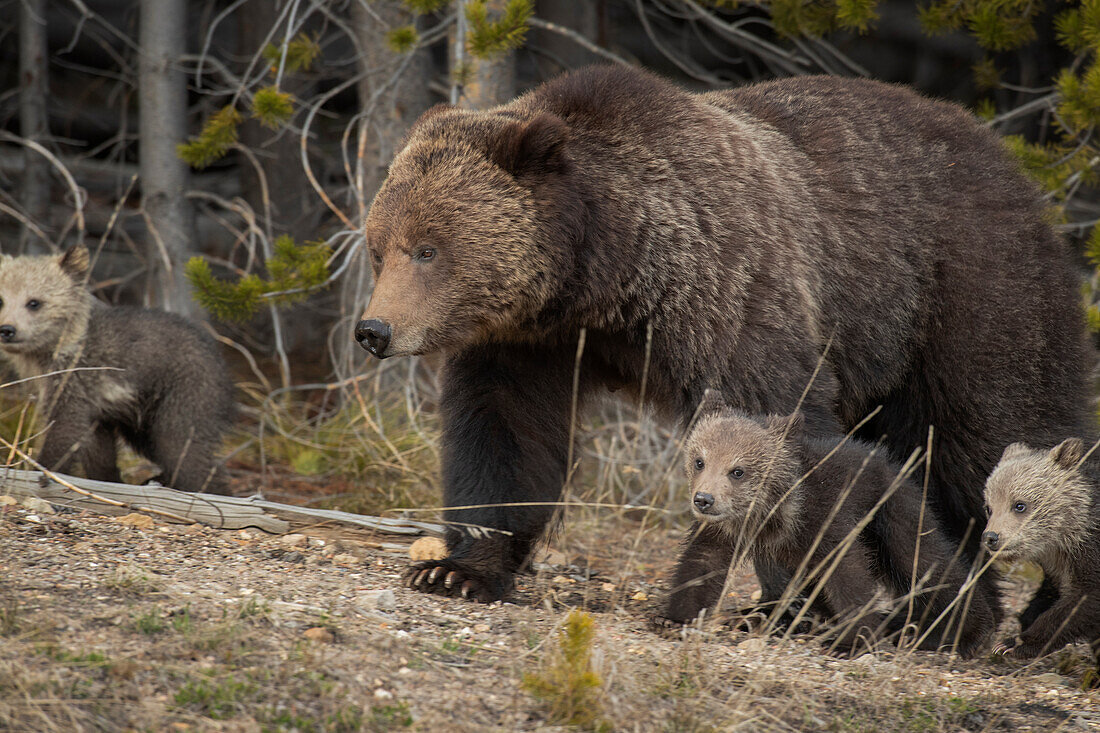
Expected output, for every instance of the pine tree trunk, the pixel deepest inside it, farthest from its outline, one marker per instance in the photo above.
(33, 121)
(162, 124)
(489, 82)
(393, 96)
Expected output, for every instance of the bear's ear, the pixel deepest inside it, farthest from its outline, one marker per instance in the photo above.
(788, 427)
(1015, 450)
(534, 146)
(713, 403)
(1068, 453)
(75, 262)
(796, 422)
(435, 109)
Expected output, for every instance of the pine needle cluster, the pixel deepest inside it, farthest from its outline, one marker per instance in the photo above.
(818, 17)
(271, 107)
(402, 39)
(301, 52)
(294, 271)
(217, 136)
(487, 38)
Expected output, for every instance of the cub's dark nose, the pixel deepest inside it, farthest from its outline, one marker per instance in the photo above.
(703, 501)
(991, 540)
(7, 333)
(374, 336)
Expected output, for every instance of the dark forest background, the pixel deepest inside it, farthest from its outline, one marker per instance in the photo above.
(253, 134)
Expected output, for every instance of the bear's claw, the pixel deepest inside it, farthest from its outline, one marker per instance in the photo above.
(443, 577)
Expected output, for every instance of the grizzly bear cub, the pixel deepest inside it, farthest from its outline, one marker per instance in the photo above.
(812, 506)
(103, 373)
(1044, 506)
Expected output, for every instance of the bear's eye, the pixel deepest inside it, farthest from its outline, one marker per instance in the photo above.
(737, 472)
(33, 304)
(1, 302)
(988, 510)
(699, 464)
(1019, 507)
(376, 258)
(425, 254)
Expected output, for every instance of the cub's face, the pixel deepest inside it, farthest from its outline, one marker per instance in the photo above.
(38, 297)
(741, 470)
(456, 233)
(1037, 501)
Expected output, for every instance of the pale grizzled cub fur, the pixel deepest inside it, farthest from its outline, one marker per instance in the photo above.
(766, 487)
(167, 392)
(1044, 506)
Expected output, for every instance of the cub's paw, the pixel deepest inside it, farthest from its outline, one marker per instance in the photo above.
(853, 643)
(1025, 650)
(747, 621)
(1004, 648)
(449, 578)
(667, 626)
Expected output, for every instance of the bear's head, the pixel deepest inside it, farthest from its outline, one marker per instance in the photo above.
(469, 234)
(1038, 502)
(742, 470)
(41, 297)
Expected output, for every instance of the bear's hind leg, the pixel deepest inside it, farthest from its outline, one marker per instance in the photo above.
(100, 456)
(184, 446)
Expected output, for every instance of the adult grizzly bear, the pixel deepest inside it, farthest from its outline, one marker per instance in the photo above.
(745, 231)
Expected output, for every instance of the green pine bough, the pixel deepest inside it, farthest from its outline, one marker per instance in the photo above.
(270, 106)
(294, 271)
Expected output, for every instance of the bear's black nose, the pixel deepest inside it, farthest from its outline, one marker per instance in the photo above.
(374, 336)
(703, 501)
(7, 333)
(991, 540)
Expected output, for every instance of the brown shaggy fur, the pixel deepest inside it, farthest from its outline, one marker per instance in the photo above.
(1044, 506)
(765, 489)
(167, 392)
(718, 240)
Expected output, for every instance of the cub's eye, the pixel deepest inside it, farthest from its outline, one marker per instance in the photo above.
(737, 473)
(33, 305)
(1, 302)
(376, 258)
(988, 510)
(699, 464)
(1019, 507)
(425, 254)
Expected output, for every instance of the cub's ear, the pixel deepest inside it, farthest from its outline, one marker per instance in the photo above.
(436, 109)
(75, 262)
(789, 427)
(1068, 453)
(796, 423)
(534, 146)
(1015, 450)
(713, 403)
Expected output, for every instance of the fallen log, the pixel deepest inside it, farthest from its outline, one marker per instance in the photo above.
(220, 512)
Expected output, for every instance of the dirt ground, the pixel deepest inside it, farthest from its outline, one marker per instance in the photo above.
(114, 627)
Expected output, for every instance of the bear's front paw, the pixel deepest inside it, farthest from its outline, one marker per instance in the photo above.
(449, 578)
(1005, 648)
